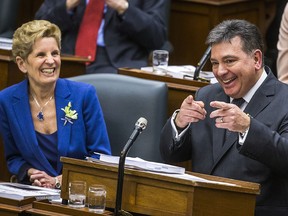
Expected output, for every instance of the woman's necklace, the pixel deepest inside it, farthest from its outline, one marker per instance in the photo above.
(40, 115)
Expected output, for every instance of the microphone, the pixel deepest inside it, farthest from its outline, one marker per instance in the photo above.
(202, 62)
(140, 125)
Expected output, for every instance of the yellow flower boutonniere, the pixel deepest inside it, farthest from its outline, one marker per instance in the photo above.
(69, 114)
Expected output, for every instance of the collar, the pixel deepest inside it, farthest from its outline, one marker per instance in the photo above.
(252, 91)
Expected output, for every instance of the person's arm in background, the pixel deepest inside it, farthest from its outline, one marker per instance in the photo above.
(144, 24)
(282, 46)
(60, 12)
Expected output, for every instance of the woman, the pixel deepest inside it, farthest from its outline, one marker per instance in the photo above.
(44, 117)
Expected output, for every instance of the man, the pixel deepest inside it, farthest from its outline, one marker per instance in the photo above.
(129, 31)
(247, 143)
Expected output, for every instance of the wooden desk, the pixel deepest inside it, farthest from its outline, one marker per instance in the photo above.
(154, 194)
(45, 208)
(10, 74)
(30, 207)
(191, 21)
(10, 207)
(178, 89)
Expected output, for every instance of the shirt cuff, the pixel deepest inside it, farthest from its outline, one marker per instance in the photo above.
(177, 136)
(242, 137)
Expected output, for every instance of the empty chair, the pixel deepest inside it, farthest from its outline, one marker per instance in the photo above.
(124, 100)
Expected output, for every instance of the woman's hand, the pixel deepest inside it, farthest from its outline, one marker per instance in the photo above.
(42, 179)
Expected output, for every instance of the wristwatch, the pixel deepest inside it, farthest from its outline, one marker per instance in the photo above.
(57, 183)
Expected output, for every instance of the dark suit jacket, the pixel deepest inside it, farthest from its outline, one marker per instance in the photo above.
(263, 158)
(128, 39)
(87, 133)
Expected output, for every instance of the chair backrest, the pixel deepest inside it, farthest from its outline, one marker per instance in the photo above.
(8, 16)
(124, 100)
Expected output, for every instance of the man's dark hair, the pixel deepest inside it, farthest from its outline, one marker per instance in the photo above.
(228, 29)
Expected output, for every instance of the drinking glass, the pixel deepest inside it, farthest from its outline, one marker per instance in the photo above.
(97, 198)
(160, 61)
(77, 194)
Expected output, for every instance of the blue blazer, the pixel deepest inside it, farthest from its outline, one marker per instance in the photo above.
(263, 158)
(87, 133)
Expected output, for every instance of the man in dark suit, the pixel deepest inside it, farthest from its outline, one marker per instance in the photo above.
(249, 142)
(131, 30)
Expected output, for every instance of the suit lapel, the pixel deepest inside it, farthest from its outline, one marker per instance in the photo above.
(62, 98)
(218, 134)
(262, 97)
(108, 15)
(23, 116)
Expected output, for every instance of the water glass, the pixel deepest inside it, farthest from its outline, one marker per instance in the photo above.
(160, 61)
(77, 194)
(97, 198)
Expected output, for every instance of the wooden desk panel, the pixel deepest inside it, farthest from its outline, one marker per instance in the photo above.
(10, 207)
(154, 194)
(191, 21)
(45, 208)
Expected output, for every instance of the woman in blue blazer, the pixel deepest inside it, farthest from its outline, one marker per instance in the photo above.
(44, 117)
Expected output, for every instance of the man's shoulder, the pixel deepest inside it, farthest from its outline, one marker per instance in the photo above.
(211, 89)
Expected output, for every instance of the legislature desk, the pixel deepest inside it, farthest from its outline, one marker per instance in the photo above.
(45, 208)
(178, 89)
(10, 207)
(31, 207)
(152, 193)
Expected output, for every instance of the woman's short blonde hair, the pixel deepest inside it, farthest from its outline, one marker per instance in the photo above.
(26, 35)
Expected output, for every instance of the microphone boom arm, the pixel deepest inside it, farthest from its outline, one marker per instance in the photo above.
(201, 63)
(140, 125)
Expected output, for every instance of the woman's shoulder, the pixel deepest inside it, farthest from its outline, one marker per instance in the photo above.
(14, 89)
(74, 85)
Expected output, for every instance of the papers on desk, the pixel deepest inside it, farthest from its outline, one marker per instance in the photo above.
(138, 163)
(185, 72)
(197, 179)
(5, 43)
(160, 168)
(20, 191)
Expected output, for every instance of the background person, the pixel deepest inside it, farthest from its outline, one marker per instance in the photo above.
(44, 117)
(129, 31)
(221, 138)
(282, 46)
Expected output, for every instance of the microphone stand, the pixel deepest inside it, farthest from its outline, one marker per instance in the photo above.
(140, 125)
(201, 63)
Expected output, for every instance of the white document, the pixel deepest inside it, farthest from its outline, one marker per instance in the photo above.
(21, 191)
(5, 43)
(197, 179)
(138, 163)
(185, 72)
(160, 168)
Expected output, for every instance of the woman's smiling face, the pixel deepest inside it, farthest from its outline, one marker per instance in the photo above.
(43, 64)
